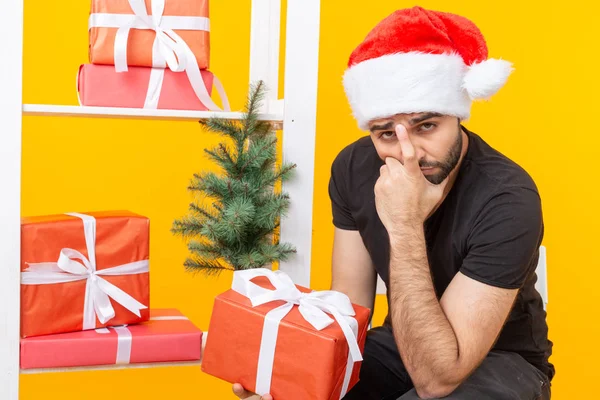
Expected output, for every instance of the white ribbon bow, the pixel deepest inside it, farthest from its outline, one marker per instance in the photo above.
(98, 290)
(169, 48)
(313, 307)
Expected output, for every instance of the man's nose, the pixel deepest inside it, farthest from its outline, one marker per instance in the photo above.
(416, 142)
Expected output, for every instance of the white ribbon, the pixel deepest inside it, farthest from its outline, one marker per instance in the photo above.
(73, 266)
(313, 307)
(168, 48)
(155, 87)
(125, 338)
(157, 76)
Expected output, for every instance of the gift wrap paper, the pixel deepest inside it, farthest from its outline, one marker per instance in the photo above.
(121, 237)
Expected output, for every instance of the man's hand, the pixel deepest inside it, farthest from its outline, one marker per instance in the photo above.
(403, 196)
(240, 392)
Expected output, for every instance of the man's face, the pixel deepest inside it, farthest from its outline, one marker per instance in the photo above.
(437, 140)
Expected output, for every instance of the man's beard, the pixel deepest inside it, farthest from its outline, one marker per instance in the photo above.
(448, 164)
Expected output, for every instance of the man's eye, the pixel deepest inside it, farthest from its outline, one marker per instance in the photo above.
(427, 126)
(387, 135)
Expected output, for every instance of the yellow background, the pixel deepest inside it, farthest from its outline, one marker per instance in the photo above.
(545, 119)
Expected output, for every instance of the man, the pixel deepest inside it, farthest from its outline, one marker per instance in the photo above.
(452, 226)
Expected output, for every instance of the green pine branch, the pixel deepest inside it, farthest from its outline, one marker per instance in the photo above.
(257, 152)
(188, 226)
(208, 268)
(227, 128)
(284, 174)
(205, 250)
(202, 211)
(253, 104)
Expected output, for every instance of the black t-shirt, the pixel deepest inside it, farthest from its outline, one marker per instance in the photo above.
(489, 228)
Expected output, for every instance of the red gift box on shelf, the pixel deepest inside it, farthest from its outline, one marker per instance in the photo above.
(101, 86)
(275, 337)
(83, 271)
(167, 337)
(148, 28)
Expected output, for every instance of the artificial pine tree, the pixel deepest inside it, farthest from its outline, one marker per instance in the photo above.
(240, 229)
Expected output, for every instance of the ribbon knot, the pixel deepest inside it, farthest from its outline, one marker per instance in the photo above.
(169, 47)
(74, 266)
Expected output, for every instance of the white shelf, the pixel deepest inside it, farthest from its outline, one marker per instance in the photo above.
(111, 367)
(137, 113)
(298, 114)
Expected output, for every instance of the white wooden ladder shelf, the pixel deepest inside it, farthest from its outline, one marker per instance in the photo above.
(296, 114)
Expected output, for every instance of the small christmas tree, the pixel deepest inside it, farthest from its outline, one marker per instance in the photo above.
(240, 229)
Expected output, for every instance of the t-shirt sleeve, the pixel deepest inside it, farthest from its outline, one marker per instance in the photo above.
(505, 239)
(338, 194)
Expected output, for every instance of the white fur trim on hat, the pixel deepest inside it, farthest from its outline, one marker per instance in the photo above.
(414, 82)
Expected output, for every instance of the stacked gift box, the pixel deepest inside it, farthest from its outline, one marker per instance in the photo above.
(85, 295)
(149, 54)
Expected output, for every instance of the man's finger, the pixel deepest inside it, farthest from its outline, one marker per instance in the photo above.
(240, 392)
(243, 394)
(392, 163)
(392, 166)
(411, 164)
(384, 170)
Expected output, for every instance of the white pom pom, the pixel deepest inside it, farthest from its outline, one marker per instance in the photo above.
(484, 79)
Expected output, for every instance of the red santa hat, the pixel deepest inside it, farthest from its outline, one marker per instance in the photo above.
(418, 60)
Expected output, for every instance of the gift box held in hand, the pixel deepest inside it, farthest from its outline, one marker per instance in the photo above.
(167, 337)
(274, 337)
(83, 271)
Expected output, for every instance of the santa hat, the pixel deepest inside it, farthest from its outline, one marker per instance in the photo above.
(418, 60)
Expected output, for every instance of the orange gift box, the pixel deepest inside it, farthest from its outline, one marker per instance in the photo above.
(83, 271)
(187, 18)
(308, 363)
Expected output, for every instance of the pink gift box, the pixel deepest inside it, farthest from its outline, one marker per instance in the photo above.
(102, 86)
(167, 337)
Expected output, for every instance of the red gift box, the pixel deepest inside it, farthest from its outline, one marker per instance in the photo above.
(140, 87)
(167, 337)
(83, 271)
(298, 361)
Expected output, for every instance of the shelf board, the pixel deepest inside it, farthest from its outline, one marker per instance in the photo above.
(111, 367)
(136, 113)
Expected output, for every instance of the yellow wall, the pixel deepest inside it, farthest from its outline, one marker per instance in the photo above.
(544, 119)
